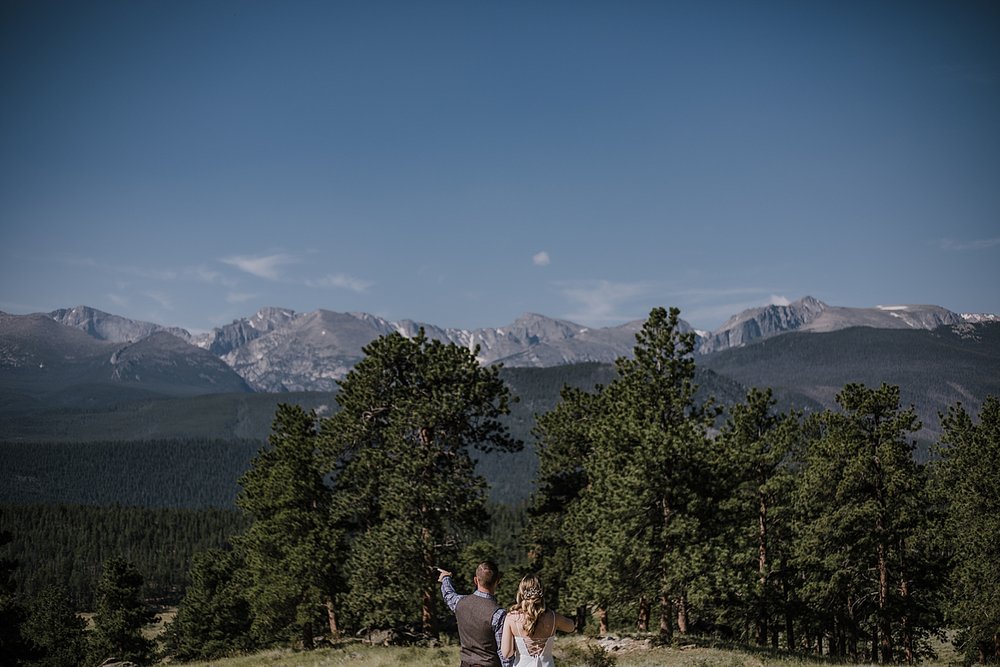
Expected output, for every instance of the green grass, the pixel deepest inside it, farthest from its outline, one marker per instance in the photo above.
(570, 651)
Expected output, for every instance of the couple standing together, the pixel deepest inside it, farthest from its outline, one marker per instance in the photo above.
(491, 635)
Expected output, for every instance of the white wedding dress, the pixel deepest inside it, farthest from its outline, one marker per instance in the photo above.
(536, 652)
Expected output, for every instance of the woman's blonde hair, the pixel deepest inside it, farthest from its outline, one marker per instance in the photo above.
(530, 602)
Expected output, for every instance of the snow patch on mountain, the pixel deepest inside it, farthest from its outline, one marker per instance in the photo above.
(976, 318)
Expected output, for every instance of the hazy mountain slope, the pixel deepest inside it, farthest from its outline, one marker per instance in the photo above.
(44, 362)
(934, 369)
(810, 314)
(833, 318)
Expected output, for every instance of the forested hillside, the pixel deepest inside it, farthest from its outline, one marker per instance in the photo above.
(152, 473)
(153, 468)
(933, 369)
(66, 545)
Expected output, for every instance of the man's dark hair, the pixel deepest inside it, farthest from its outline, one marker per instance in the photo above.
(488, 574)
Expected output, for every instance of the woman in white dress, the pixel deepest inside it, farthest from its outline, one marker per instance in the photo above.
(530, 629)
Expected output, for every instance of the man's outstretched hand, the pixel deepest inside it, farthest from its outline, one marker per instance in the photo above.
(442, 574)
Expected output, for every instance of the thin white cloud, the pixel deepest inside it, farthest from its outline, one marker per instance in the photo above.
(778, 300)
(341, 281)
(265, 266)
(978, 244)
(601, 301)
(541, 258)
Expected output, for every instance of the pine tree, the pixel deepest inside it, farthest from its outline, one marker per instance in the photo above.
(55, 629)
(758, 447)
(121, 615)
(292, 549)
(640, 522)
(213, 619)
(968, 484)
(411, 413)
(13, 648)
(563, 444)
(863, 492)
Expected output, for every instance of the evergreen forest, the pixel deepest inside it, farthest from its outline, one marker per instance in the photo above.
(659, 502)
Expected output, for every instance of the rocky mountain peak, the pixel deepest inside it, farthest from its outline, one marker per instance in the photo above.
(763, 322)
(114, 328)
(271, 318)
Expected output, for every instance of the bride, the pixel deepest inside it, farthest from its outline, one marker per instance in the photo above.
(531, 628)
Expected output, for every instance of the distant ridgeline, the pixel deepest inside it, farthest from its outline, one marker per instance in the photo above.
(180, 470)
(190, 451)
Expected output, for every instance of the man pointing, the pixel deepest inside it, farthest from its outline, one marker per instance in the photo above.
(480, 618)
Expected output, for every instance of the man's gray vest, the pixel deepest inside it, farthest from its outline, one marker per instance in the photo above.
(475, 630)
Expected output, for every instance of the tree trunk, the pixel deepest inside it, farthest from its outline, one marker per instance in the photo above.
(682, 615)
(789, 596)
(908, 643)
(602, 619)
(884, 622)
(581, 618)
(852, 631)
(666, 624)
(643, 621)
(762, 611)
(331, 617)
(427, 611)
(427, 620)
(307, 636)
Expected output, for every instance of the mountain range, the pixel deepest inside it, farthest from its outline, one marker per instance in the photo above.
(278, 349)
(79, 375)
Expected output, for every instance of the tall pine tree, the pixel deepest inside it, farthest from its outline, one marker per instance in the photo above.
(292, 549)
(13, 647)
(758, 447)
(968, 484)
(411, 414)
(54, 629)
(863, 492)
(121, 616)
(213, 619)
(563, 444)
(639, 524)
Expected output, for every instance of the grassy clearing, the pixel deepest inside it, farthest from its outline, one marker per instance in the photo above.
(572, 651)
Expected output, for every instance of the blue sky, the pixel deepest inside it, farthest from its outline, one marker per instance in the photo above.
(462, 163)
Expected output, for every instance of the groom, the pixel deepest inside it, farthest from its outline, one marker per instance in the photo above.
(480, 618)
